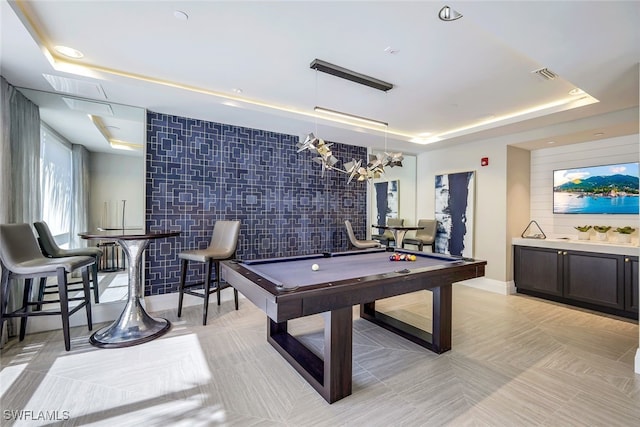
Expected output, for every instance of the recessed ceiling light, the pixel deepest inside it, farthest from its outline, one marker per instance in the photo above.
(448, 14)
(237, 90)
(576, 92)
(180, 15)
(69, 52)
(598, 134)
(391, 51)
(551, 142)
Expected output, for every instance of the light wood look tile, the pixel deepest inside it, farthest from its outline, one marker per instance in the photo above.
(515, 361)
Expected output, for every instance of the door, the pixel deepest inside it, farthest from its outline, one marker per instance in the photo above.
(594, 278)
(538, 269)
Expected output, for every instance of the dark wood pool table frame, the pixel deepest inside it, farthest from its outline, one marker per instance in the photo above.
(332, 377)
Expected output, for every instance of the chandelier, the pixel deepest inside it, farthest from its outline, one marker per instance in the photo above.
(356, 169)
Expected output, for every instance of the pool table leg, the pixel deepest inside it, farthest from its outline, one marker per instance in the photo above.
(439, 340)
(331, 377)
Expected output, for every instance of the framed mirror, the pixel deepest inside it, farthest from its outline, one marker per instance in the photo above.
(114, 136)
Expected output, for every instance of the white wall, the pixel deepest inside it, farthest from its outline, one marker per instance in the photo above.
(622, 149)
(115, 178)
(490, 231)
(518, 200)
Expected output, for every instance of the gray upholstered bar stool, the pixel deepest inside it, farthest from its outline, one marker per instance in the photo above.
(223, 246)
(20, 258)
(50, 249)
(359, 244)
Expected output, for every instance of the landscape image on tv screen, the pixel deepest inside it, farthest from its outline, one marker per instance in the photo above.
(608, 189)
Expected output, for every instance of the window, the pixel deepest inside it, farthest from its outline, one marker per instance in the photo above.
(55, 175)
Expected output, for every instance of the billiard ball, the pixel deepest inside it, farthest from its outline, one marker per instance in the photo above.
(315, 267)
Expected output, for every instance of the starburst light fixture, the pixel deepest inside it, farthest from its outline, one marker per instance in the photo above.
(354, 168)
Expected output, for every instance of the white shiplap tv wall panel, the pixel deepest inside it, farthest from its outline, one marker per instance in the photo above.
(624, 149)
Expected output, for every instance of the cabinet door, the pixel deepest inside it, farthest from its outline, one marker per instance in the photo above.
(595, 278)
(631, 283)
(538, 269)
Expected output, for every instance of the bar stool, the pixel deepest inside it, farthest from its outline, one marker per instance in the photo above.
(50, 249)
(20, 258)
(223, 246)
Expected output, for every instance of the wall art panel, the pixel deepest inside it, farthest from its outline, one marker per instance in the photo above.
(454, 211)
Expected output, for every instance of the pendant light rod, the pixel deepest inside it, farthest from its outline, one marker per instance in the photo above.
(343, 73)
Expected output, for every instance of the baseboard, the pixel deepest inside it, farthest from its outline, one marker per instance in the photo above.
(637, 363)
(107, 312)
(490, 285)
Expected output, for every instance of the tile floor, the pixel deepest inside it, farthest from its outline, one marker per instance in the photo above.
(516, 361)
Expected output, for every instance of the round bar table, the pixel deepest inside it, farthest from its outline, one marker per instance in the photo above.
(134, 326)
(398, 231)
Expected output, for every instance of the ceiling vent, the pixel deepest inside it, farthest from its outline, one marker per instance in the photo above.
(76, 87)
(91, 107)
(545, 73)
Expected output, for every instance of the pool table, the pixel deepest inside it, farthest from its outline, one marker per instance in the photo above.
(288, 288)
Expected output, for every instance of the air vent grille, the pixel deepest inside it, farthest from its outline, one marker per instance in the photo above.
(545, 73)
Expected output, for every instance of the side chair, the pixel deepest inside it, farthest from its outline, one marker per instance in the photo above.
(223, 246)
(50, 249)
(424, 236)
(359, 244)
(20, 258)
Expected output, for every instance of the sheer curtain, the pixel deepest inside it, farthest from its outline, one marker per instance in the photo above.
(24, 131)
(20, 162)
(79, 195)
(5, 152)
(5, 167)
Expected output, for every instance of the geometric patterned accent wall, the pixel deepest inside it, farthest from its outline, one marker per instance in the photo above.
(198, 172)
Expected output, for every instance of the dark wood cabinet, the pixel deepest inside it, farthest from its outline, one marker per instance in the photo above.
(631, 283)
(598, 281)
(594, 278)
(538, 270)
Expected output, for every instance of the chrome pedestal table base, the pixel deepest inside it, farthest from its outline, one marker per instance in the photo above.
(134, 325)
(398, 232)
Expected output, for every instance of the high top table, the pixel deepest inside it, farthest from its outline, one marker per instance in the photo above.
(134, 326)
(398, 231)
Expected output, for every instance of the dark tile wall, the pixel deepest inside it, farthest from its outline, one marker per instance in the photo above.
(198, 172)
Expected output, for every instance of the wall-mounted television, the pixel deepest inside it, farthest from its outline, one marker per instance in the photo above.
(607, 189)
